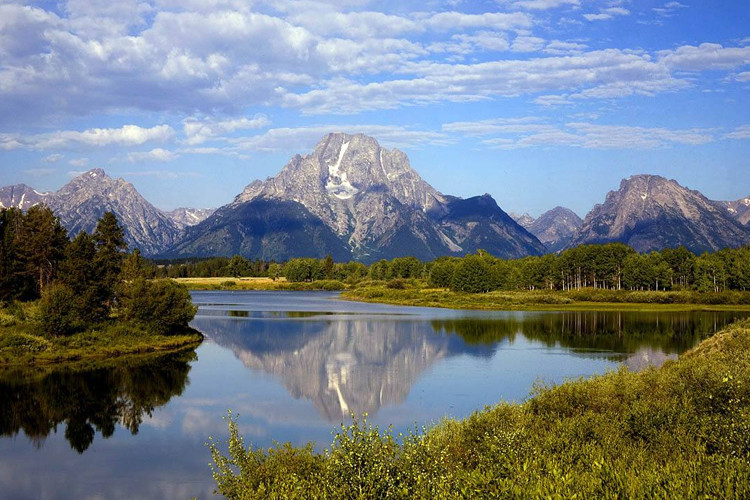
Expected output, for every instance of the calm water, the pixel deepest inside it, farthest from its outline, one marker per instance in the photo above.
(294, 365)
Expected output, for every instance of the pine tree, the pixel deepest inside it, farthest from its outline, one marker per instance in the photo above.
(41, 242)
(110, 245)
(81, 274)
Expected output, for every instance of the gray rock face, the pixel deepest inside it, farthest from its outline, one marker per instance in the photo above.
(739, 210)
(524, 220)
(369, 196)
(556, 228)
(374, 202)
(479, 224)
(186, 217)
(649, 212)
(84, 200)
(20, 196)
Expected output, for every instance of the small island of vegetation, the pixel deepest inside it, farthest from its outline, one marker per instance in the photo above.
(85, 299)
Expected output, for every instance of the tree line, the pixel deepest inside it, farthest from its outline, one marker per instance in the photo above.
(84, 281)
(612, 266)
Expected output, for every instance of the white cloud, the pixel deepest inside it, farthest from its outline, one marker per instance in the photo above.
(606, 14)
(545, 4)
(706, 56)
(739, 133)
(453, 21)
(128, 135)
(155, 155)
(527, 44)
(53, 158)
(199, 131)
(668, 9)
(743, 77)
(558, 48)
(436, 82)
(304, 138)
(528, 132)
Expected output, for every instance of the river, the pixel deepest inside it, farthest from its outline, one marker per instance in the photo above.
(294, 365)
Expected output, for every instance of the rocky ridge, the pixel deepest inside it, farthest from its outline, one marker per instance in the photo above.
(649, 212)
(371, 200)
(555, 228)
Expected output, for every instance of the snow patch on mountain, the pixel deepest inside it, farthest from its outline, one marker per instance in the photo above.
(338, 183)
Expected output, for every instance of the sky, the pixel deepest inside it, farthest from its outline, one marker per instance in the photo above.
(537, 102)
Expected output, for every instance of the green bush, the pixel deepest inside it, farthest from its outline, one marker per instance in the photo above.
(328, 285)
(681, 431)
(57, 309)
(161, 306)
(396, 284)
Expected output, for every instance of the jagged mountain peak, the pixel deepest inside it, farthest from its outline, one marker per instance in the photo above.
(83, 201)
(650, 212)
(371, 199)
(555, 228)
(524, 220)
(738, 209)
(20, 196)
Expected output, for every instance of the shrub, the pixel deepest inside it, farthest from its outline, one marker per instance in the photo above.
(161, 306)
(396, 284)
(58, 311)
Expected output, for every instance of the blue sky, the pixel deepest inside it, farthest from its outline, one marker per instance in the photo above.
(536, 102)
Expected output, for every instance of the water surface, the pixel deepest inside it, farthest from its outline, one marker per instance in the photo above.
(294, 365)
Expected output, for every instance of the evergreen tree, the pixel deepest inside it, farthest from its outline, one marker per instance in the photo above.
(41, 243)
(110, 245)
(135, 266)
(13, 279)
(81, 274)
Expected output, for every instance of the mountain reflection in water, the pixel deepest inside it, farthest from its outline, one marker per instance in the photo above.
(356, 364)
(87, 401)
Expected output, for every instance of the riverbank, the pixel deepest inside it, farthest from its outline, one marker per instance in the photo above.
(680, 431)
(544, 300)
(416, 293)
(22, 344)
(229, 284)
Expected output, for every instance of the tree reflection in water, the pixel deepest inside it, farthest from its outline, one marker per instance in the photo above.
(91, 400)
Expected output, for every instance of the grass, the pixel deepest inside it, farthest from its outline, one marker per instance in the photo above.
(680, 431)
(416, 294)
(22, 344)
(228, 283)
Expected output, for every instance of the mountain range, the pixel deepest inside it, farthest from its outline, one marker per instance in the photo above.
(353, 199)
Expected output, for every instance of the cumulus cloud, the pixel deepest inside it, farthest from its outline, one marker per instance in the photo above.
(706, 56)
(221, 57)
(128, 135)
(199, 131)
(155, 155)
(606, 14)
